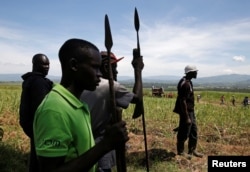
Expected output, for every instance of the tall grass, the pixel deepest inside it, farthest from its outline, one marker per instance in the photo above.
(15, 145)
(223, 130)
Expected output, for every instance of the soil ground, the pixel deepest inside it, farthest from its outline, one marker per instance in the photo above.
(162, 149)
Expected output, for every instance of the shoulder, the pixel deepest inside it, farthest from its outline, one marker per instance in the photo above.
(119, 87)
(184, 82)
(39, 79)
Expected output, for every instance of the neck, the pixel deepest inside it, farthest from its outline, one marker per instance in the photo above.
(66, 83)
(188, 77)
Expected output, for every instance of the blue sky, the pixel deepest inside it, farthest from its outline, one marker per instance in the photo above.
(214, 35)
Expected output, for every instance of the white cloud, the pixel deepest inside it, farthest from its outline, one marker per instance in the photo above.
(239, 58)
(166, 47)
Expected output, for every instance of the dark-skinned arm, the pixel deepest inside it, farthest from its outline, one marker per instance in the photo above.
(184, 110)
(138, 65)
(115, 136)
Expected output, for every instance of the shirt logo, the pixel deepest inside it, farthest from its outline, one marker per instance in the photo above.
(54, 143)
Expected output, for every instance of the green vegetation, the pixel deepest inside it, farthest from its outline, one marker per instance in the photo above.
(223, 130)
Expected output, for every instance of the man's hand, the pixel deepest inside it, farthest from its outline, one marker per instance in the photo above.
(137, 61)
(116, 135)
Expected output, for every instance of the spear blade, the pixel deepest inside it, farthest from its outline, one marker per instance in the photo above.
(137, 21)
(108, 36)
(137, 27)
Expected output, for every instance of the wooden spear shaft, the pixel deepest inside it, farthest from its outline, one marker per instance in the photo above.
(116, 115)
(139, 107)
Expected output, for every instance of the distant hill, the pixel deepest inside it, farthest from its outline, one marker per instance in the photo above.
(232, 80)
(222, 81)
(10, 77)
(156, 78)
(18, 78)
(212, 79)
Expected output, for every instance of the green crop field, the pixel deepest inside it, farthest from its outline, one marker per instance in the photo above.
(223, 130)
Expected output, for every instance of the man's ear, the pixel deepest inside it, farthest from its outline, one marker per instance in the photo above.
(73, 64)
(106, 67)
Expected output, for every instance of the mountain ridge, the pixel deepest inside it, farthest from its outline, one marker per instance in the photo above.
(231, 80)
(217, 78)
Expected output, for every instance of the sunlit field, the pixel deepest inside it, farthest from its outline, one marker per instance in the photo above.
(224, 129)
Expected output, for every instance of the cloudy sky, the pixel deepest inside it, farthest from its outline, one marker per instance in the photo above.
(214, 35)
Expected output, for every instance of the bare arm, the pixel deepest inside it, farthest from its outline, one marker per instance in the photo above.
(185, 111)
(138, 65)
(115, 136)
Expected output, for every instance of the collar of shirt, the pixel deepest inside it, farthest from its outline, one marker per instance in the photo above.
(67, 95)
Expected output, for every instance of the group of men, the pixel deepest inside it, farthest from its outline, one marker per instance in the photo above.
(69, 123)
(245, 101)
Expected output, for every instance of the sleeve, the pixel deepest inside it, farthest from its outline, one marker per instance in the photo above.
(25, 111)
(32, 95)
(123, 95)
(51, 138)
(184, 91)
(40, 88)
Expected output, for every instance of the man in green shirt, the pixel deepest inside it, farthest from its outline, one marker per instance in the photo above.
(62, 128)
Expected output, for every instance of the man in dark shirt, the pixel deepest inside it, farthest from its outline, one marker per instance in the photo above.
(34, 88)
(185, 108)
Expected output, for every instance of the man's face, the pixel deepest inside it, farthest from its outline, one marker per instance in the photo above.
(105, 70)
(194, 74)
(114, 71)
(42, 65)
(89, 72)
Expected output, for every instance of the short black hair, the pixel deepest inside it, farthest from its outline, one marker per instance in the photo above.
(73, 48)
(37, 58)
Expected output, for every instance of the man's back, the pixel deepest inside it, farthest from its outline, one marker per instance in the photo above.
(34, 88)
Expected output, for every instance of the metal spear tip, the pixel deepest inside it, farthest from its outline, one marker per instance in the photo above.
(136, 20)
(108, 36)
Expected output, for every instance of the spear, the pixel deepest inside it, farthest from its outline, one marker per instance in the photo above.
(139, 108)
(116, 114)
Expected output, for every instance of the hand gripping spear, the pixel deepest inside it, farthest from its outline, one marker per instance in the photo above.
(116, 114)
(139, 108)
